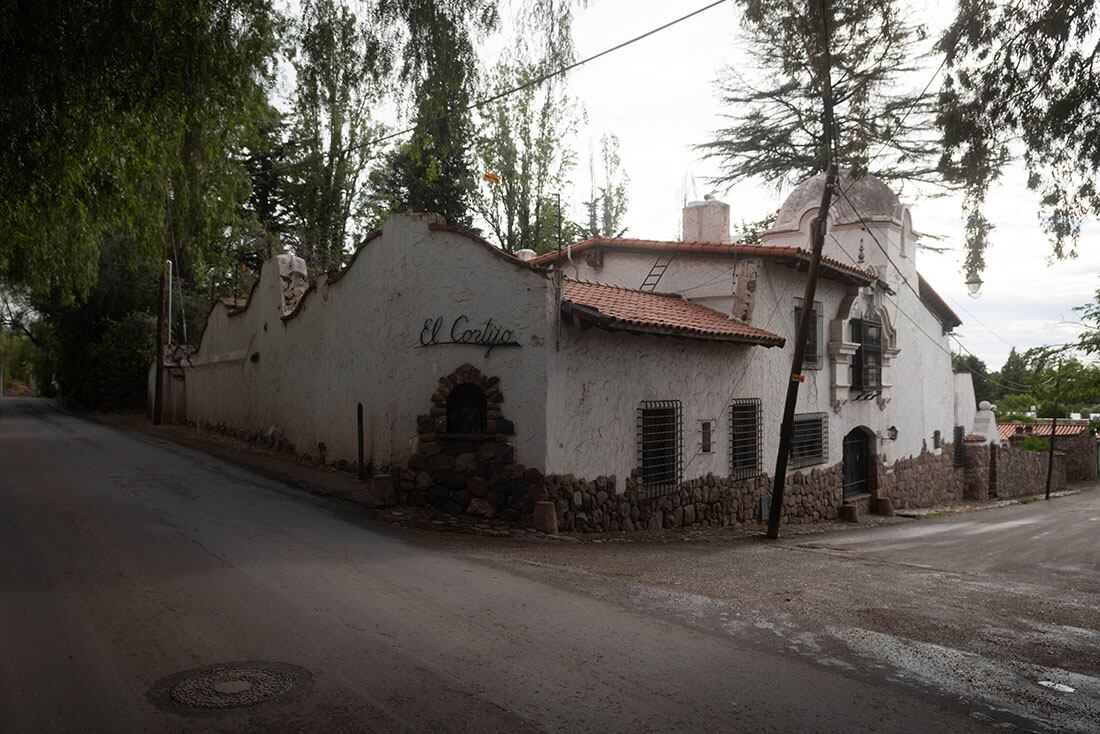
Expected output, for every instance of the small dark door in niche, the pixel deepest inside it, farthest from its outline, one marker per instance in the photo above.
(857, 463)
(466, 409)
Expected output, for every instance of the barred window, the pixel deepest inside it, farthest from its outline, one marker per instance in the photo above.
(745, 428)
(810, 440)
(660, 443)
(813, 359)
(960, 447)
(706, 437)
(867, 363)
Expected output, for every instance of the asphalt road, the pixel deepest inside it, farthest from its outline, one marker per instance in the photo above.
(126, 561)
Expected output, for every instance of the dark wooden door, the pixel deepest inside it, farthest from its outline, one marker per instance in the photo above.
(857, 463)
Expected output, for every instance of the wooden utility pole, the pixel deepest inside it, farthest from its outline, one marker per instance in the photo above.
(806, 316)
(158, 380)
(1053, 427)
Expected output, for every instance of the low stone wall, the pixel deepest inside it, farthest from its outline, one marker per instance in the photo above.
(926, 480)
(710, 501)
(1021, 473)
(1080, 456)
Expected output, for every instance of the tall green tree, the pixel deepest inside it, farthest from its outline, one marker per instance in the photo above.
(1023, 77)
(979, 374)
(340, 62)
(109, 106)
(609, 195)
(432, 171)
(523, 147)
(775, 132)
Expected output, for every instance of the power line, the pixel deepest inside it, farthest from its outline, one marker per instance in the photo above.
(518, 88)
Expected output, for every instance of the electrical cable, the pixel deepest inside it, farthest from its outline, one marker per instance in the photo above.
(518, 88)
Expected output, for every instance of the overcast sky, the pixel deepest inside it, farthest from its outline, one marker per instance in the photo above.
(659, 97)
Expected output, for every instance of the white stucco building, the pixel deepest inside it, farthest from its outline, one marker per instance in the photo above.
(632, 381)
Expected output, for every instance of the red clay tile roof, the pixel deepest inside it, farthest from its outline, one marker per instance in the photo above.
(935, 303)
(1012, 428)
(613, 307)
(795, 256)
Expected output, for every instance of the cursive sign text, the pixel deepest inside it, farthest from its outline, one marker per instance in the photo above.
(462, 332)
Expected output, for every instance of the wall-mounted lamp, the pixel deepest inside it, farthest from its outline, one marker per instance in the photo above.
(892, 433)
(974, 284)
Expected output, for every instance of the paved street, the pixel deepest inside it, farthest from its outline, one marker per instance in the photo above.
(125, 560)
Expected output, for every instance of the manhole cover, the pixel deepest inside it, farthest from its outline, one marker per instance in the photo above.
(228, 686)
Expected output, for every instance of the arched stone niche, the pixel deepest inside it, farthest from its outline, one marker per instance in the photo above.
(465, 460)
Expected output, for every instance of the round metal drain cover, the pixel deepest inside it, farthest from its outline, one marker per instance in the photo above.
(229, 686)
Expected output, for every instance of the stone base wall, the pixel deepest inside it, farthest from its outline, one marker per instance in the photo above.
(710, 501)
(1080, 456)
(925, 480)
(1020, 473)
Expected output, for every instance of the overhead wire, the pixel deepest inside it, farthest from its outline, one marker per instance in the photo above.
(508, 92)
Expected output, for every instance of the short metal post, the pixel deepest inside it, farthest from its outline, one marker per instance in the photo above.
(359, 420)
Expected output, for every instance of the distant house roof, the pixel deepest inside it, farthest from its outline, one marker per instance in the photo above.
(792, 256)
(626, 309)
(1019, 428)
(936, 304)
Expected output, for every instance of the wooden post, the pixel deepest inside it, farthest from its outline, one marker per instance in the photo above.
(1053, 428)
(359, 421)
(158, 380)
(806, 319)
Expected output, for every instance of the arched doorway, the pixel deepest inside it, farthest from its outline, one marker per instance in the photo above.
(859, 458)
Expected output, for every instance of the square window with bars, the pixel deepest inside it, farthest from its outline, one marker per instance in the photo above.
(810, 440)
(867, 362)
(813, 358)
(660, 444)
(745, 435)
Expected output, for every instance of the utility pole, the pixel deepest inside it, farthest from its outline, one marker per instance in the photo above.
(1053, 427)
(158, 380)
(806, 316)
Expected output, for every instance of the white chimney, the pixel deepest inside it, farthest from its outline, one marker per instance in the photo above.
(525, 255)
(707, 221)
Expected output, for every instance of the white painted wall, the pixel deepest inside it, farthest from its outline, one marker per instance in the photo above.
(357, 340)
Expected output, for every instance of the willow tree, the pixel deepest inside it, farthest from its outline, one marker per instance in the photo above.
(775, 130)
(340, 62)
(523, 147)
(108, 107)
(431, 169)
(1024, 79)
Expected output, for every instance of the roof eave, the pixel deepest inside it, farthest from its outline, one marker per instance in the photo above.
(611, 323)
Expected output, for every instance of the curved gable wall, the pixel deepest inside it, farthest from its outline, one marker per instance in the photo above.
(356, 339)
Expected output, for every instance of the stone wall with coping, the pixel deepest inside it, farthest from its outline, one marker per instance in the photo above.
(1020, 473)
(925, 480)
(1080, 456)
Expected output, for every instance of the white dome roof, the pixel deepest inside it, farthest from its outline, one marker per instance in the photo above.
(872, 198)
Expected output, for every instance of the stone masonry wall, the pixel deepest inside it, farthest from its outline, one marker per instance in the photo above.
(1080, 456)
(710, 501)
(925, 480)
(977, 478)
(1021, 473)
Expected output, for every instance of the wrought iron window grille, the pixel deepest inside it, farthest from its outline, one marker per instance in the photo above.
(809, 440)
(867, 362)
(660, 445)
(960, 447)
(745, 438)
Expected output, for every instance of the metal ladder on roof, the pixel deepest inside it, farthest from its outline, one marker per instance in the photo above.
(655, 273)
